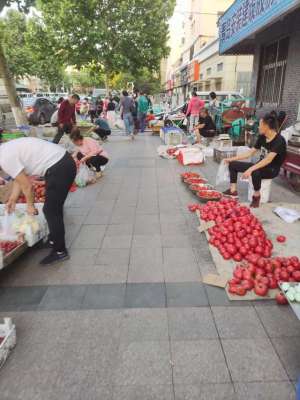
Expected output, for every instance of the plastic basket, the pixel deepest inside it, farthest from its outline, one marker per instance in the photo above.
(221, 154)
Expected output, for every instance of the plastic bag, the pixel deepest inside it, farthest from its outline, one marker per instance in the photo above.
(223, 173)
(83, 176)
(7, 229)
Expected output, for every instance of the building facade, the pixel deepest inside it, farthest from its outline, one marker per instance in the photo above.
(199, 64)
(270, 31)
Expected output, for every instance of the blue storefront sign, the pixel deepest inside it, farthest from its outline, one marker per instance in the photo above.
(246, 17)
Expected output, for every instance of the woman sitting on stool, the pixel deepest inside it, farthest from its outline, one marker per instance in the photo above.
(89, 151)
(272, 147)
(206, 126)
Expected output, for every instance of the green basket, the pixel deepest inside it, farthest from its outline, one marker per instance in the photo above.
(12, 135)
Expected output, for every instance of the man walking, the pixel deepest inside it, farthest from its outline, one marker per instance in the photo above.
(143, 106)
(66, 117)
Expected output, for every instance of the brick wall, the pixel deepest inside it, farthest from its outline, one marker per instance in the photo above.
(291, 94)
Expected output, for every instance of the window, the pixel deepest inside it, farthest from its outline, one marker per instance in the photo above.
(220, 67)
(201, 77)
(219, 84)
(208, 71)
(207, 86)
(192, 48)
(272, 72)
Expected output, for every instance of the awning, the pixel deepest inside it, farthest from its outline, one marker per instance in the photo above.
(245, 18)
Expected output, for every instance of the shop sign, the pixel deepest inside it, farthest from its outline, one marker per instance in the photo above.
(246, 17)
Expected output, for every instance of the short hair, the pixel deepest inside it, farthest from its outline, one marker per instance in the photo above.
(194, 93)
(60, 100)
(125, 93)
(75, 96)
(205, 110)
(212, 95)
(75, 134)
(271, 119)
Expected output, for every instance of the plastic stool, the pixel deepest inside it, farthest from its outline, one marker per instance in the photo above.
(264, 191)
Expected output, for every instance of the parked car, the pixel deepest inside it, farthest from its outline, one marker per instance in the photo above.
(39, 112)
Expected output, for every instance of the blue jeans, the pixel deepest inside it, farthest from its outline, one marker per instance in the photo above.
(128, 121)
(142, 119)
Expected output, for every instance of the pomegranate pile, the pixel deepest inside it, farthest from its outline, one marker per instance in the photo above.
(39, 192)
(239, 236)
(7, 246)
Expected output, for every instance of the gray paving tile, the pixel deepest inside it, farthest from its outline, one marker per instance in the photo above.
(21, 296)
(63, 297)
(174, 228)
(90, 237)
(97, 218)
(279, 321)
(145, 273)
(107, 296)
(200, 361)
(238, 323)
(100, 274)
(140, 325)
(113, 257)
(179, 256)
(117, 242)
(143, 363)
(176, 241)
(99, 326)
(218, 297)
(119, 230)
(145, 295)
(191, 324)
(216, 391)
(148, 228)
(146, 256)
(82, 257)
(251, 360)
(188, 294)
(148, 241)
(265, 391)
(188, 272)
(145, 392)
(288, 350)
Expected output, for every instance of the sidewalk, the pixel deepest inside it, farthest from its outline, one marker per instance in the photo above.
(127, 318)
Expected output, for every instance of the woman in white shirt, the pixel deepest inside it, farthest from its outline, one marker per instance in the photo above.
(21, 158)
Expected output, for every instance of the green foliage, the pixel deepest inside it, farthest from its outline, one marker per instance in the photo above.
(114, 36)
(28, 50)
(86, 78)
(143, 80)
(12, 31)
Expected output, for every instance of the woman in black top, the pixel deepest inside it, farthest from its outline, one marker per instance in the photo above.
(206, 126)
(272, 148)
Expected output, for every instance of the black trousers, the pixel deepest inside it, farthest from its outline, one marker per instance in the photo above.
(102, 133)
(59, 179)
(96, 161)
(60, 132)
(263, 173)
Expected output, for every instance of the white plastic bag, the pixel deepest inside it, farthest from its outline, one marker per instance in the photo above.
(83, 176)
(190, 156)
(7, 229)
(223, 173)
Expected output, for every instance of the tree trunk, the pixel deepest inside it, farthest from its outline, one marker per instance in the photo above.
(107, 83)
(10, 88)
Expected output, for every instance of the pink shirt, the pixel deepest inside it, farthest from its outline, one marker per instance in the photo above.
(195, 105)
(90, 147)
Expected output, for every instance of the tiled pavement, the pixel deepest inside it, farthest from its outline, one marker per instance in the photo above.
(127, 317)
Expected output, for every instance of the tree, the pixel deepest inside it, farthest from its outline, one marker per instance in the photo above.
(143, 80)
(113, 36)
(5, 73)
